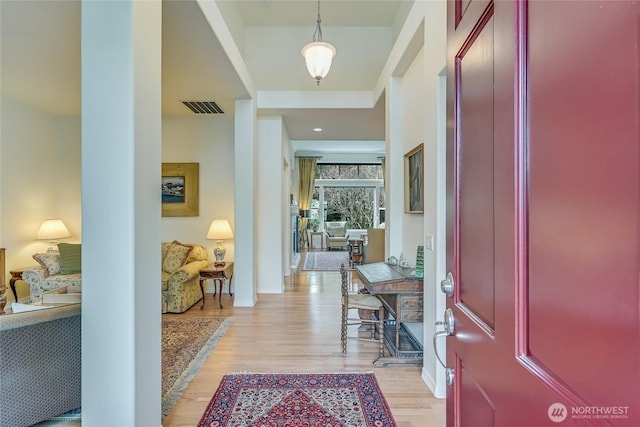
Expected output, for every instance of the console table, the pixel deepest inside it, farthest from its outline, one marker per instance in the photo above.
(402, 296)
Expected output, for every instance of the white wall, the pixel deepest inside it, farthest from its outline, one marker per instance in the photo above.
(414, 101)
(207, 140)
(415, 115)
(69, 178)
(434, 59)
(40, 171)
(45, 180)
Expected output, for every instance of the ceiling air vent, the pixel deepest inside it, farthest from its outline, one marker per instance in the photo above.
(203, 107)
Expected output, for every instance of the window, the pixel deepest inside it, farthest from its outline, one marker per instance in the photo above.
(349, 171)
(349, 192)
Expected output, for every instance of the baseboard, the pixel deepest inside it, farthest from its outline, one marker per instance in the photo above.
(438, 392)
(294, 262)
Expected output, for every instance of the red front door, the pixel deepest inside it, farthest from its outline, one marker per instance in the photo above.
(543, 190)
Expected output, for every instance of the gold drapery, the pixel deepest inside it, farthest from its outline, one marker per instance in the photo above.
(307, 185)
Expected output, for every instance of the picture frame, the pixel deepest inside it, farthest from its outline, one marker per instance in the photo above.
(180, 189)
(414, 181)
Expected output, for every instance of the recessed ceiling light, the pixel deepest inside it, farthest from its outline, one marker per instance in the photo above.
(317, 129)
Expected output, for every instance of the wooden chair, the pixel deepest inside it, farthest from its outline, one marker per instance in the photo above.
(361, 302)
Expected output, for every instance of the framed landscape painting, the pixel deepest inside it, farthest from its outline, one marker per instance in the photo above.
(180, 189)
(414, 181)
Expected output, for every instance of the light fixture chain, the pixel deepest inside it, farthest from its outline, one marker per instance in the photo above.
(317, 35)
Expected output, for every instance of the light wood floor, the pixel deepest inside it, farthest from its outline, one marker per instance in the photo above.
(298, 331)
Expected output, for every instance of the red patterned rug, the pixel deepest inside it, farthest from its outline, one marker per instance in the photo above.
(297, 400)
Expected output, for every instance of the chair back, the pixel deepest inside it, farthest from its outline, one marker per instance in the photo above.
(336, 228)
(374, 249)
(344, 287)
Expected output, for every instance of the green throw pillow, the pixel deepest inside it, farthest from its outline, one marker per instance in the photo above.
(70, 258)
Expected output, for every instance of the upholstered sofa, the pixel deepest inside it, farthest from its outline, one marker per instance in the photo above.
(181, 265)
(41, 363)
(336, 234)
(52, 274)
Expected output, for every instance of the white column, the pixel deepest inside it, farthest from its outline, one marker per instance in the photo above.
(435, 143)
(121, 141)
(245, 237)
(376, 214)
(394, 186)
(321, 207)
(268, 193)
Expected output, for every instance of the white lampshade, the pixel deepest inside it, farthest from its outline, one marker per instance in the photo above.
(318, 56)
(219, 230)
(52, 229)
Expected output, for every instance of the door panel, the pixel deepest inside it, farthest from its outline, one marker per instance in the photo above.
(474, 74)
(477, 409)
(583, 214)
(543, 213)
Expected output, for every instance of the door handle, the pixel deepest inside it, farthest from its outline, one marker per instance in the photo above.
(447, 285)
(449, 329)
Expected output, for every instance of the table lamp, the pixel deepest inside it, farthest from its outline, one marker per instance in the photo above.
(52, 230)
(219, 230)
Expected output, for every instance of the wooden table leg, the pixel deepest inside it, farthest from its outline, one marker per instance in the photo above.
(202, 290)
(12, 283)
(221, 282)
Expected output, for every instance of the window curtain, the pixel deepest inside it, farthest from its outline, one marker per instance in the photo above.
(307, 184)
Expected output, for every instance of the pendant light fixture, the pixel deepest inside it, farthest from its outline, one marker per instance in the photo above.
(318, 54)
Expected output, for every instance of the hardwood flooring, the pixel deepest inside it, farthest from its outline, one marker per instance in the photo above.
(299, 331)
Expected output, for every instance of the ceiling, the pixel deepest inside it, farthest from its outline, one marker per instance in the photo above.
(40, 58)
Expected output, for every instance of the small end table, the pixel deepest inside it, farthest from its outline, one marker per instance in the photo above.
(316, 233)
(218, 274)
(16, 274)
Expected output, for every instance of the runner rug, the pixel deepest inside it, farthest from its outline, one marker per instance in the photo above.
(325, 261)
(296, 400)
(186, 344)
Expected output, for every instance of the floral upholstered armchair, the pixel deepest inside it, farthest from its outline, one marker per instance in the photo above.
(181, 265)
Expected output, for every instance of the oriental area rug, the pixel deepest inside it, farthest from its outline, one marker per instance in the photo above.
(186, 344)
(296, 400)
(325, 261)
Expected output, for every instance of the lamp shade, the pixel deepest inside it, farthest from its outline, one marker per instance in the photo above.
(52, 229)
(219, 230)
(318, 57)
